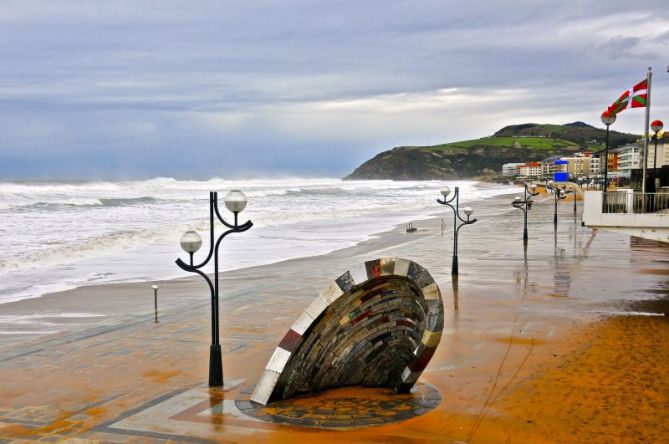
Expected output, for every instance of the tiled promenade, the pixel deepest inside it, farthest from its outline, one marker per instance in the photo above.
(508, 322)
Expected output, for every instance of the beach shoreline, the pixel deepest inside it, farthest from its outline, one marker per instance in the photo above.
(71, 306)
(292, 218)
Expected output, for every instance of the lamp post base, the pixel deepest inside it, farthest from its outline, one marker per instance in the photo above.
(215, 366)
(454, 265)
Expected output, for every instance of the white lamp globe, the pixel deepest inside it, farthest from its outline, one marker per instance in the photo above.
(235, 201)
(445, 191)
(190, 241)
(468, 211)
(608, 118)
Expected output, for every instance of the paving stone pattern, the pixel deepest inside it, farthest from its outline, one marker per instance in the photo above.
(347, 408)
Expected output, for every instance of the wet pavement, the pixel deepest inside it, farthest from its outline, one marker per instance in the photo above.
(513, 315)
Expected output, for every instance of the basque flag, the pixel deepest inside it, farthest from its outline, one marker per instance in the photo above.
(637, 98)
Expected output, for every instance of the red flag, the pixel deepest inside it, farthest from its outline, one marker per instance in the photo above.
(637, 98)
(620, 104)
(640, 94)
(641, 85)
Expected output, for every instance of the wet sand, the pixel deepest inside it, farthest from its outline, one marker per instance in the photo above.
(542, 348)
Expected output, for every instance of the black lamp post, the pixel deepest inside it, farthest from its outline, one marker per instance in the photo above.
(608, 118)
(456, 215)
(155, 303)
(525, 204)
(572, 189)
(656, 126)
(191, 242)
(558, 194)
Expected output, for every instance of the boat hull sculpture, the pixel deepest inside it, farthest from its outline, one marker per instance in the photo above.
(381, 332)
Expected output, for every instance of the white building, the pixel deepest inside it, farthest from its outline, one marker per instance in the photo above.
(510, 169)
(578, 165)
(530, 169)
(629, 159)
(596, 166)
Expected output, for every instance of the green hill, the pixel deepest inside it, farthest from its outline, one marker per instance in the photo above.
(469, 158)
(539, 143)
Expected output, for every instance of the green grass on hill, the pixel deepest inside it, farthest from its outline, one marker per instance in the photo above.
(540, 143)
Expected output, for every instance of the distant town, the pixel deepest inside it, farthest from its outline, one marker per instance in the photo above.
(587, 167)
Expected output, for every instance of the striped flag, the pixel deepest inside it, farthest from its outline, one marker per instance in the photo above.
(640, 94)
(620, 104)
(636, 98)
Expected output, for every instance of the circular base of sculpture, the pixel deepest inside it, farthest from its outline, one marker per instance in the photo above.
(347, 408)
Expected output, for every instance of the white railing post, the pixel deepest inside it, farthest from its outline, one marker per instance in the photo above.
(629, 201)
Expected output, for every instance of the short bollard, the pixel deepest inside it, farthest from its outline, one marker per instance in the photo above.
(155, 302)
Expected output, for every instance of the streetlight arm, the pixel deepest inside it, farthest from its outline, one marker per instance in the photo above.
(238, 229)
(447, 202)
(184, 266)
(520, 205)
(212, 205)
(469, 222)
(463, 220)
(231, 226)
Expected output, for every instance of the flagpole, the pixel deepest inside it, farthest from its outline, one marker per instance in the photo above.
(649, 78)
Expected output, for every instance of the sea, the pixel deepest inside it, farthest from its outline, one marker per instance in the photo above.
(56, 236)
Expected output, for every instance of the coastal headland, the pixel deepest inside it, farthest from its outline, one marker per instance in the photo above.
(567, 341)
(485, 156)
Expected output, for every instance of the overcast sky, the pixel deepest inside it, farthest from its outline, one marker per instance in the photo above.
(125, 89)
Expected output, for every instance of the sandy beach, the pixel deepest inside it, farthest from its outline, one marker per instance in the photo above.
(566, 342)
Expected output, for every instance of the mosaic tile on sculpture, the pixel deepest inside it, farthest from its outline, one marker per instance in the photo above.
(331, 293)
(278, 360)
(302, 323)
(419, 275)
(345, 281)
(401, 267)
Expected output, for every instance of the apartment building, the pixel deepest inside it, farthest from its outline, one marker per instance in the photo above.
(530, 169)
(511, 169)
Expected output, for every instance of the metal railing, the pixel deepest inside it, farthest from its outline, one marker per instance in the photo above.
(635, 203)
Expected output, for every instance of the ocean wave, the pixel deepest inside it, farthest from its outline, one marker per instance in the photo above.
(45, 205)
(120, 202)
(66, 203)
(32, 188)
(97, 245)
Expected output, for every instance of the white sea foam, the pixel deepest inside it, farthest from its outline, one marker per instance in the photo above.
(64, 235)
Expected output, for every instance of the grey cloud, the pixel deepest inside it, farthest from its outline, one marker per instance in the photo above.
(104, 81)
